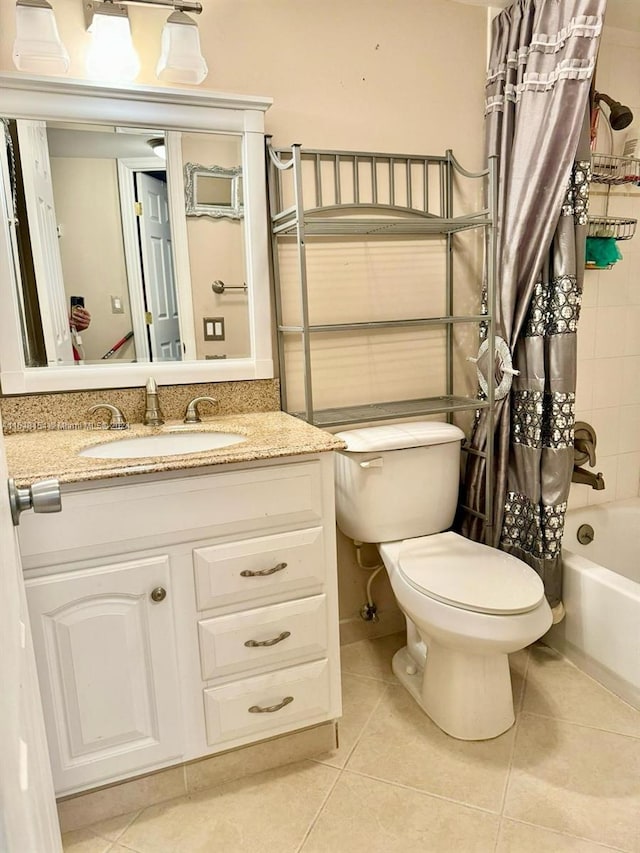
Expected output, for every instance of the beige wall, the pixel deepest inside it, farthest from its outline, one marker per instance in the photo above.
(88, 213)
(386, 75)
(374, 74)
(216, 251)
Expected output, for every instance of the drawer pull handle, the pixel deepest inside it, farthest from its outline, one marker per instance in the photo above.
(252, 644)
(247, 573)
(256, 709)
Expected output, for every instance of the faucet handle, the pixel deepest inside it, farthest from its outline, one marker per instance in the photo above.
(584, 443)
(191, 415)
(117, 419)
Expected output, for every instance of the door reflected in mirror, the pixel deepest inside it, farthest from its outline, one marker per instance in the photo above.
(94, 209)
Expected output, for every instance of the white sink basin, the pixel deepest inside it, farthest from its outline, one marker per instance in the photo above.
(162, 444)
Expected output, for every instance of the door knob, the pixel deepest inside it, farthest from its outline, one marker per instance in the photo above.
(41, 496)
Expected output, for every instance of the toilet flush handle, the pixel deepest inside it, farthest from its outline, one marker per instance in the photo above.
(376, 462)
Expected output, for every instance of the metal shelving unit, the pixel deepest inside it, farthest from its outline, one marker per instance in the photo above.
(356, 193)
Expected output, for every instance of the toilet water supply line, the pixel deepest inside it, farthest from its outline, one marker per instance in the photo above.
(368, 611)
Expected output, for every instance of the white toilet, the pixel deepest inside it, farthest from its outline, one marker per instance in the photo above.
(467, 605)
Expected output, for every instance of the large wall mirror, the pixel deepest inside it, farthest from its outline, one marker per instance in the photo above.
(96, 187)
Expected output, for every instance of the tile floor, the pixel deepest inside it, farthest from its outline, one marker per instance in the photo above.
(564, 779)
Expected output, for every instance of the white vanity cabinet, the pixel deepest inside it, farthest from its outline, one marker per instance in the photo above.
(178, 616)
(107, 668)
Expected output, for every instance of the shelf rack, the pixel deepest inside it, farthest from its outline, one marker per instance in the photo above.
(620, 228)
(376, 195)
(612, 170)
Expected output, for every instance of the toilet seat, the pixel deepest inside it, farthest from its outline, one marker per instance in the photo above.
(470, 576)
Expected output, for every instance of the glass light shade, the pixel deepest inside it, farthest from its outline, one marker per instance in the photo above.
(38, 47)
(159, 148)
(181, 60)
(112, 56)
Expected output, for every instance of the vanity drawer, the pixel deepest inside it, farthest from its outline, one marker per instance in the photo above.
(282, 564)
(279, 633)
(266, 704)
(212, 505)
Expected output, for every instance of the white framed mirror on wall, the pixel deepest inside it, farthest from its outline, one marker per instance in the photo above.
(104, 279)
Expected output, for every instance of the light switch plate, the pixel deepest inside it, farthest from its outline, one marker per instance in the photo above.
(213, 328)
(116, 305)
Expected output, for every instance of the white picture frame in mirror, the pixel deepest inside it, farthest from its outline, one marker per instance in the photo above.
(213, 191)
(177, 112)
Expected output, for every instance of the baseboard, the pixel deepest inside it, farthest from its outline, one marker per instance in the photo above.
(98, 804)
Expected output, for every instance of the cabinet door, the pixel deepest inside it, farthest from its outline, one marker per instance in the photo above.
(107, 668)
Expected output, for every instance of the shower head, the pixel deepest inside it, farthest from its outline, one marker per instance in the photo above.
(620, 116)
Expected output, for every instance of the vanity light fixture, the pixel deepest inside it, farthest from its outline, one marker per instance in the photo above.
(158, 146)
(38, 47)
(181, 59)
(111, 55)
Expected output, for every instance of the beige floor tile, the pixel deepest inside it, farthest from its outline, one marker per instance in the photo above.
(118, 848)
(84, 841)
(576, 780)
(359, 698)
(372, 658)
(268, 812)
(401, 744)
(367, 816)
(112, 829)
(556, 688)
(521, 838)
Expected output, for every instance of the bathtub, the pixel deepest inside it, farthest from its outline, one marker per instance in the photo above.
(601, 594)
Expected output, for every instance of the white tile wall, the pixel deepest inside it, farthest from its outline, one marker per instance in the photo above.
(608, 385)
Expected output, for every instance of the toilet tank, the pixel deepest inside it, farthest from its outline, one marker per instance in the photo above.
(397, 481)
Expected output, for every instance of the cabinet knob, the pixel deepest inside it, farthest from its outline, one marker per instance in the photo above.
(158, 594)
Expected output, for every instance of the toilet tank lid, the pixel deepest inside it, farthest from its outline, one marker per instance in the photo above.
(400, 436)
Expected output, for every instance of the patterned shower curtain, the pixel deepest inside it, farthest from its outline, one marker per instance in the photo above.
(542, 62)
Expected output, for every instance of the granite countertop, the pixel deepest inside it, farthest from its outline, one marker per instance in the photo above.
(36, 455)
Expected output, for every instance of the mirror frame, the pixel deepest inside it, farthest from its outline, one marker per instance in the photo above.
(174, 110)
(193, 171)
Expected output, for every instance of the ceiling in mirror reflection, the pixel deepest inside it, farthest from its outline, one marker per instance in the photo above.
(113, 243)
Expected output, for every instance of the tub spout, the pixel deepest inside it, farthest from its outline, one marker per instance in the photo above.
(596, 481)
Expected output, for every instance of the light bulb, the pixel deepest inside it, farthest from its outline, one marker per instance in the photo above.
(159, 147)
(181, 59)
(112, 56)
(38, 47)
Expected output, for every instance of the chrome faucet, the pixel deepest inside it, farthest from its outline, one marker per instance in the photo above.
(192, 415)
(152, 413)
(117, 421)
(596, 481)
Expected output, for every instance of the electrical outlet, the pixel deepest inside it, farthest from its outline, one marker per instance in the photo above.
(213, 328)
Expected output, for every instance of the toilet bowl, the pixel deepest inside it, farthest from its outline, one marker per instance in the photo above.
(468, 607)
